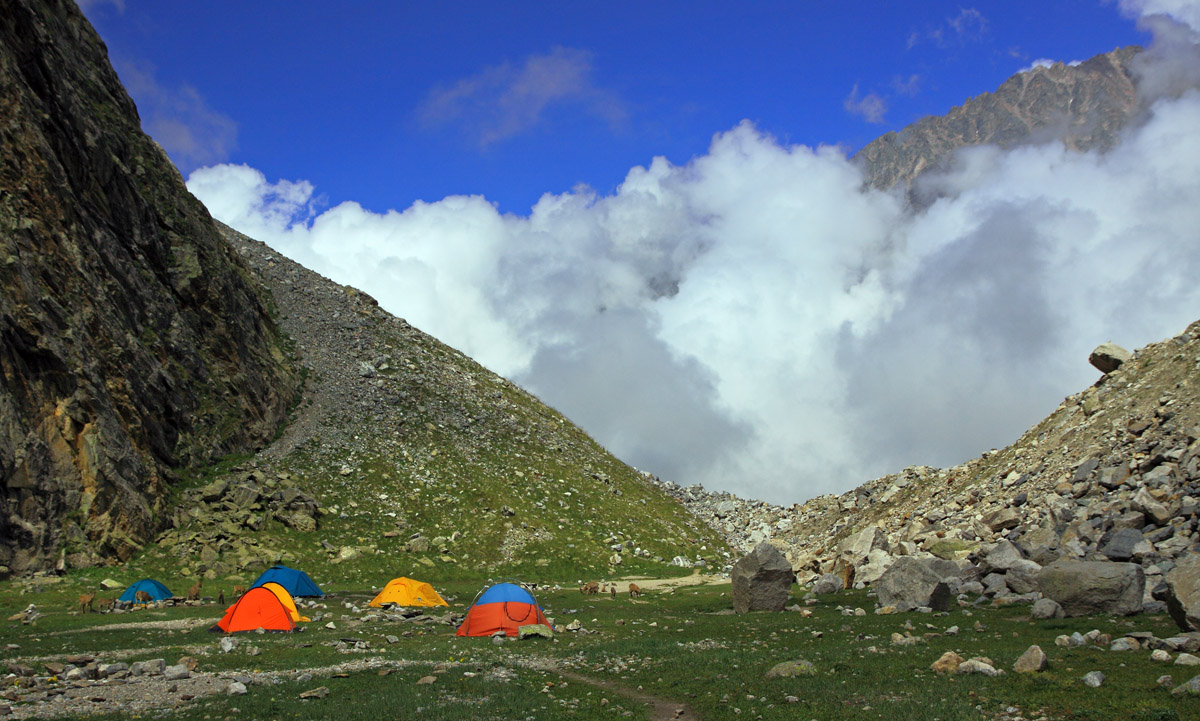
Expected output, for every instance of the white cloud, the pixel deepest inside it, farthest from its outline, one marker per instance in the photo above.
(968, 26)
(180, 119)
(504, 100)
(870, 107)
(756, 321)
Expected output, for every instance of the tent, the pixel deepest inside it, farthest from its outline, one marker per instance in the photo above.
(157, 591)
(296, 582)
(503, 607)
(257, 608)
(286, 599)
(405, 591)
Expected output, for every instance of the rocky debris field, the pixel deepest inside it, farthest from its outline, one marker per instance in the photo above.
(1110, 479)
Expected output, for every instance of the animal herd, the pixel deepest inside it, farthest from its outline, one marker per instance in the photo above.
(592, 588)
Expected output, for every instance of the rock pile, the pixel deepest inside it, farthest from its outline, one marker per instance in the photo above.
(213, 526)
(1111, 478)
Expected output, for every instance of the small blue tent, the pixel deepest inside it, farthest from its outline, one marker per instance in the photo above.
(296, 582)
(157, 591)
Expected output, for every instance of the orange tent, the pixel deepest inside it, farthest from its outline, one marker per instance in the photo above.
(405, 591)
(286, 599)
(257, 608)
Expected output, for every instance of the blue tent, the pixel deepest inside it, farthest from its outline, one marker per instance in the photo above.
(157, 591)
(296, 582)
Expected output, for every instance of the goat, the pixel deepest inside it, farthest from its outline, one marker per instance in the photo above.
(142, 597)
(238, 591)
(612, 588)
(590, 588)
(106, 604)
(845, 571)
(85, 602)
(634, 590)
(194, 592)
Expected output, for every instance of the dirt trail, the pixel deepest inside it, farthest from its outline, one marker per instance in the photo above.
(669, 584)
(661, 709)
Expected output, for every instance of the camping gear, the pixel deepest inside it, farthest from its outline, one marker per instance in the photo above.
(157, 591)
(503, 607)
(405, 591)
(296, 582)
(257, 608)
(288, 602)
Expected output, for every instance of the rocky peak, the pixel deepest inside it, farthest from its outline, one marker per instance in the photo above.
(1085, 106)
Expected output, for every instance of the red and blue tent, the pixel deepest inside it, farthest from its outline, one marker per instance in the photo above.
(503, 607)
(296, 582)
(157, 591)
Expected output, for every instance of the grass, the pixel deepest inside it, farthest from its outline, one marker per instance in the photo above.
(678, 646)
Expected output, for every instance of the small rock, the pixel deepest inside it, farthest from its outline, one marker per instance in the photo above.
(1094, 679)
(792, 669)
(426, 680)
(979, 666)
(318, 692)
(1160, 655)
(1034, 659)
(176, 672)
(1187, 659)
(236, 688)
(947, 663)
(1190, 687)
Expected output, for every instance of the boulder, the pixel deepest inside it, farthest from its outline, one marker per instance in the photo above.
(1107, 357)
(857, 548)
(1034, 659)
(792, 669)
(877, 564)
(761, 580)
(829, 583)
(1045, 608)
(1182, 593)
(912, 583)
(535, 630)
(1002, 557)
(1094, 587)
(1121, 544)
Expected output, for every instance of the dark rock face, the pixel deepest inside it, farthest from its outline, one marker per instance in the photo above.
(1094, 587)
(761, 580)
(1086, 106)
(132, 341)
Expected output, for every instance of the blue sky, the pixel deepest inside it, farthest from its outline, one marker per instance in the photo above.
(647, 216)
(360, 98)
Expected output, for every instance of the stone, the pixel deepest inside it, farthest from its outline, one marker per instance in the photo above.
(1121, 544)
(1160, 655)
(1157, 511)
(1107, 357)
(1124, 644)
(155, 667)
(1095, 679)
(1094, 587)
(1182, 592)
(1002, 557)
(978, 666)
(535, 630)
(878, 562)
(426, 680)
(318, 692)
(176, 672)
(792, 669)
(1187, 659)
(829, 583)
(227, 644)
(911, 583)
(1004, 519)
(235, 688)
(109, 584)
(1191, 687)
(948, 662)
(1034, 659)
(857, 547)
(761, 580)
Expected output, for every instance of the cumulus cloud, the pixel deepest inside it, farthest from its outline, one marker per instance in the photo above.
(757, 321)
(506, 100)
(180, 119)
(870, 107)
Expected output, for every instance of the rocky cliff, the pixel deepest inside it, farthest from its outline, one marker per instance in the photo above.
(1085, 106)
(132, 340)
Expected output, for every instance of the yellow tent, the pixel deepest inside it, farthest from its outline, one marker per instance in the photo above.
(407, 592)
(286, 599)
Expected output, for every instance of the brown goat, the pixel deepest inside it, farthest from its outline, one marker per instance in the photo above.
(194, 592)
(238, 591)
(845, 571)
(142, 597)
(612, 588)
(590, 588)
(105, 604)
(85, 602)
(634, 590)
